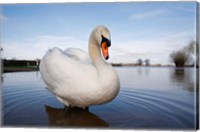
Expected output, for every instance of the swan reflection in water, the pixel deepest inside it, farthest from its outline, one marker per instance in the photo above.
(73, 117)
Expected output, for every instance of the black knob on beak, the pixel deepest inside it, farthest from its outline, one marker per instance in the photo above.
(104, 39)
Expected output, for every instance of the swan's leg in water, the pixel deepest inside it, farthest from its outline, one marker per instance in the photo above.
(69, 107)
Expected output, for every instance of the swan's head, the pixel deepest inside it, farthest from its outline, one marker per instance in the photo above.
(102, 35)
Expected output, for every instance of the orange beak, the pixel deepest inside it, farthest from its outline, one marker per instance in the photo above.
(104, 48)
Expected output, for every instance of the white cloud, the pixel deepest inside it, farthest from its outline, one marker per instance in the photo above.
(157, 50)
(130, 52)
(150, 14)
(37, 47)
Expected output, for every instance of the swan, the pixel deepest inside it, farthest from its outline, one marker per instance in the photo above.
(79, 79)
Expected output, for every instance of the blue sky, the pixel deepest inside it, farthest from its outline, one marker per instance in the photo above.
(138, 29)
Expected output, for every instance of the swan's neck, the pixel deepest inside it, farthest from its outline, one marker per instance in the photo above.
(94, 51)
(103, 68)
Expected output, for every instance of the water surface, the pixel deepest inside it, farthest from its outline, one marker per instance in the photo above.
(150, 97)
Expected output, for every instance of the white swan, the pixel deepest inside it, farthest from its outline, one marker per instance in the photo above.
(78, 79)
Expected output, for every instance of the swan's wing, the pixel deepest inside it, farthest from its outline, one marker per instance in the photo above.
(60, 72)
(78, 55)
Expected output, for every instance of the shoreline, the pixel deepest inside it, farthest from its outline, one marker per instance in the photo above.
(19, 69)
(33, 65)
(34, 68)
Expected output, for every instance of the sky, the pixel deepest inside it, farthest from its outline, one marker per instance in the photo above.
(139, 30)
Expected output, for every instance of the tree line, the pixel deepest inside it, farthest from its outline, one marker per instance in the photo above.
(187, 54)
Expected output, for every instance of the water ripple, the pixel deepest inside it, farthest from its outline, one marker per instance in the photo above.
(142, 108)
(25, 95)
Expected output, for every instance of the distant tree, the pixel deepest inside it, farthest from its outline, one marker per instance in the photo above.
(179, 57)
(192, 48)
(139, 62)
(147, 62)
(186, 54)
(37, 62)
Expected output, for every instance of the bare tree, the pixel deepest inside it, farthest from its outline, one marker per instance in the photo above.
(190, 48)
(179, 57)
(147, 62)
(193, 49)
(139, 62)
(186, 54)
(37, 62)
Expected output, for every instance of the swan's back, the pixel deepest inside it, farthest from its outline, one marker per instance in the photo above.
(78, 55)
(60, 65)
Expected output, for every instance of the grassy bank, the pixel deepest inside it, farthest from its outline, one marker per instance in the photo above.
(19, 68)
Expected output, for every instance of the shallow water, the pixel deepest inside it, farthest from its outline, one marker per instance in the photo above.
(156, 98)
